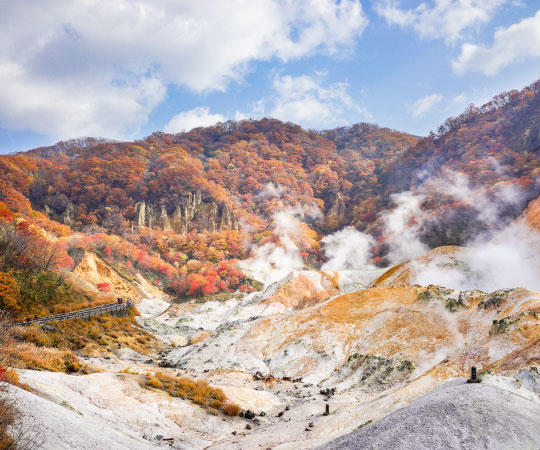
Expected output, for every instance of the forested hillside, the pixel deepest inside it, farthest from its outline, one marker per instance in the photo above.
(182, 208)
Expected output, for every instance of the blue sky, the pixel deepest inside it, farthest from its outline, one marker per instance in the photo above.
(123, 69)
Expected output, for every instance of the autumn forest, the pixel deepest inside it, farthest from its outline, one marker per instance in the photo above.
(184, 209)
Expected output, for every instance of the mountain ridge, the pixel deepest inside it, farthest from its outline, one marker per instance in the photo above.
(217, 193)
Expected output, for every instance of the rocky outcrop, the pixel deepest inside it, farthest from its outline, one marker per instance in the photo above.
(337, 210)
(193, 214)
(164, 219)
(69, 215)
(531, 137)
(93, 270)
(391, 332)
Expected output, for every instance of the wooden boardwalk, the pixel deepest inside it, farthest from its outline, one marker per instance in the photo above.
(109, 308)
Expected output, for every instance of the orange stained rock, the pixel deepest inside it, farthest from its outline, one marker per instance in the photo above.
(403, 273)
(302, 291)
(522, 357)
(390, 321)
(532, 214)
(200, 337)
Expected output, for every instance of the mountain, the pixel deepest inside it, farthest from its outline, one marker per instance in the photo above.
(178, 207)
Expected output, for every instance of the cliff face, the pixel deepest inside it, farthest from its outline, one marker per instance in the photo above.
(193, 214)
(337, 208)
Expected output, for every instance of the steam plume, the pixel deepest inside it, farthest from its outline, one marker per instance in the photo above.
(401, 228)
(271, 262)
(347, 249)
(509, 258)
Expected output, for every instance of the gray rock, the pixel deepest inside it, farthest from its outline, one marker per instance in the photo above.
(530, 379)
(48, 328)
(456, 415)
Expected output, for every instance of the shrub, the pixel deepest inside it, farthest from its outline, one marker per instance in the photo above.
(13, 435)
(199, 392)
(104, 287)
(92, 336)
(231, 409)
(10, 297)
(45, 358)
(73, 367)
(154, 382)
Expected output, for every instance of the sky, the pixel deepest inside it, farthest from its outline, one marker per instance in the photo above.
(123, 69)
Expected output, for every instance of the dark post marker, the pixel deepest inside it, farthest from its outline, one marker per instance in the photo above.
(327, 410)
(474, 378)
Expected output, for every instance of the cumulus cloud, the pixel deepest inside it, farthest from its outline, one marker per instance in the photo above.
(519, 42)
(101, 68)
(347, 249)
(196, 117)
(69, 108)
(425, 105)
(461, 98)
(442, 19)
(306, 100)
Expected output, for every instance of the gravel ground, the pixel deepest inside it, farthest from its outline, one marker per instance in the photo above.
(454, 416)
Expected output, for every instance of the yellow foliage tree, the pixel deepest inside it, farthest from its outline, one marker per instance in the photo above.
(10, 297)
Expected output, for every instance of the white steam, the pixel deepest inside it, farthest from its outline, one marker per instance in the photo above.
(347, 249)
(510, 258)
(402, 227)
(270, 190)
(271, 262)
(487, 207)
(506, 258)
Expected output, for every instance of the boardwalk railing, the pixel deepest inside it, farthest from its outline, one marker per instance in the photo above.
(109, 308)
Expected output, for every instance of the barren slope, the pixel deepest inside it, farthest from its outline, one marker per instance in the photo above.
(455, 416)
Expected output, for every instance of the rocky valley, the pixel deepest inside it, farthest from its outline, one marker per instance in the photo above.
(289, 289)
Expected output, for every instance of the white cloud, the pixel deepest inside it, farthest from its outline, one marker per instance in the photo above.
(306, 100)
(424, 105)
(518, 42)
(93, 108)
(95, 67)
(443, 19)
(196, 117)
